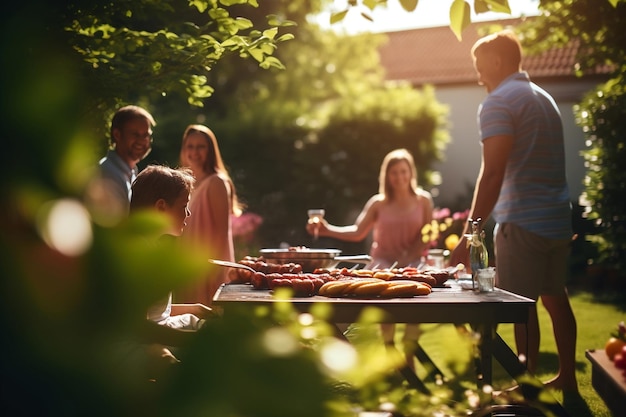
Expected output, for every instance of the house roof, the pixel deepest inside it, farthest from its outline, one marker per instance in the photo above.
(435, 56)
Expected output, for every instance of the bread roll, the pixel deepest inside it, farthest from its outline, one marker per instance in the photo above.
(334, 288)
(370, 289)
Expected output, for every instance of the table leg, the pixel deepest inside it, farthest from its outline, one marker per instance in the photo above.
(413, 380)
(492, 345)
(485, 348)
(338, 330)
(423, 357)
(507, 358)
(409, 375)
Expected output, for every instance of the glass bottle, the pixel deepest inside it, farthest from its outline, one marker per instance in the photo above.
(479, 257)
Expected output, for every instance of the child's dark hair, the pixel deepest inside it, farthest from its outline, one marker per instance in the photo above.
(157, 182)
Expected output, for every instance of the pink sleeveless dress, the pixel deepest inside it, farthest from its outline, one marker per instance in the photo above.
(393, 235)
(199, 232)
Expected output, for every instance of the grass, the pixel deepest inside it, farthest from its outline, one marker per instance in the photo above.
(597, 315)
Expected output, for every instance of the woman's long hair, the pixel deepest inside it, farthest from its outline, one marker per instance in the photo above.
(391, 159)
(214, 163)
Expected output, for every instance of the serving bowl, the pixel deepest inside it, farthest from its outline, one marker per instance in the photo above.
(311, 259)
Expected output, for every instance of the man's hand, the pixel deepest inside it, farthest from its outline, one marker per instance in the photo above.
(460, 254)
(199, 310)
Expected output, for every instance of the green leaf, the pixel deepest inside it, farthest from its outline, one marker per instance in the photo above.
(338, 17)
(371, 4)
(275, 20)
(243, 23)
(235, 2)
(480, 6)
(257, 54)
(498, 6)
(459, 17)
(233, 41)
(270, 33)
(271, 61)
(199, 4)
(409, 5)
(285, 37)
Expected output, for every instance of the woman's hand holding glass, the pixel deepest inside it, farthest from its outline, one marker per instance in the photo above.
(316, 217)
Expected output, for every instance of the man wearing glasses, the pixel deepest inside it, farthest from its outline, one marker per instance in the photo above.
(130, 142)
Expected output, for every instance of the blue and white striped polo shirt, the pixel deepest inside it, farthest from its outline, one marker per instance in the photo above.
(534, 194)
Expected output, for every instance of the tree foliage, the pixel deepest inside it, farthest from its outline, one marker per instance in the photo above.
(136, 51)
(595, 25)
(460, 10)
(315, 134)
(601, 114)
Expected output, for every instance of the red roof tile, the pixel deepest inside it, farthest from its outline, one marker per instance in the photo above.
(435, 56)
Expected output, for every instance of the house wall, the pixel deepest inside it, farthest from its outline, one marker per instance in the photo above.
(460, 168)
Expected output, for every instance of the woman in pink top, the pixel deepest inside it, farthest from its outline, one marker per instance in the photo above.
(396, 216)
(213, 202)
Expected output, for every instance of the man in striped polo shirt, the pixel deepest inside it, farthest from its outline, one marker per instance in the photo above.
(522, 184)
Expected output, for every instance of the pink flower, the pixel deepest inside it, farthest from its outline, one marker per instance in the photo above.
(444, 229)
(246, 224)
(461, 215)
(442, 213)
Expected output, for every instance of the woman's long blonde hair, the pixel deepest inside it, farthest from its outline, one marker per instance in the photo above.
(214, 163)
(391, 159)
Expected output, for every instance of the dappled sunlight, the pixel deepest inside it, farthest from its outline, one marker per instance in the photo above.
(280, 342)
(305, 319)
(338, 356)
(65, 225)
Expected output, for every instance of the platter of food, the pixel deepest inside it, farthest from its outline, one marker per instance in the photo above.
(339, 282)
(310, 258)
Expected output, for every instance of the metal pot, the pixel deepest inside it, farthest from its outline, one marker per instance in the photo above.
(311, 259)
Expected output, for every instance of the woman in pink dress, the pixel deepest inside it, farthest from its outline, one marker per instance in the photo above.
(213, 202)
(395, 216)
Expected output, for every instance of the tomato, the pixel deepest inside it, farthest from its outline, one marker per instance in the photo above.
(613, 347)
(620, 361)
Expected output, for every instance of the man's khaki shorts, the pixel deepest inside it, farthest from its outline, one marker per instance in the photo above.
(528, 264)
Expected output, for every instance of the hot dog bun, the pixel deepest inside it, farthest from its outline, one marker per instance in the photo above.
(334, 288)
(373, 287)
(370, 289)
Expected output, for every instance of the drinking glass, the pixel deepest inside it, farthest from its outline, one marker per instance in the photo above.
(436, 258)
(486, 278)
(315, 216)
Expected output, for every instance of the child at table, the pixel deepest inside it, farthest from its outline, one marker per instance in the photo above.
(167, 191)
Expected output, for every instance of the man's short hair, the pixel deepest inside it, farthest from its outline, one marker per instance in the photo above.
(504, 44)
(127, 113)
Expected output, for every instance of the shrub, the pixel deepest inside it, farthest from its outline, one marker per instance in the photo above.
(601, 114)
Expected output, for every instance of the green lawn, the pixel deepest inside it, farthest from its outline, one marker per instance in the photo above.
(597, 316)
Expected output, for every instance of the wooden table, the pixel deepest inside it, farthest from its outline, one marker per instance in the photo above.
(608, 381)
(483, 311)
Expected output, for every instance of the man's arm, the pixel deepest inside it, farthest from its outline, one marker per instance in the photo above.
(199, 310)
(495, 154)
